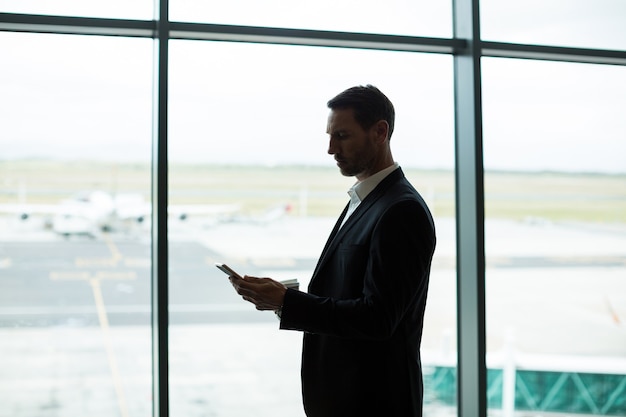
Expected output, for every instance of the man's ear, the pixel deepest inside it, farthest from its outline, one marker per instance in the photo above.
(382, 130)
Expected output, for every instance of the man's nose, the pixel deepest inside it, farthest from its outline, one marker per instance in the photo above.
(331, 147)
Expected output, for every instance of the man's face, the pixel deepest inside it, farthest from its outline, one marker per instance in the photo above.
(353, 147)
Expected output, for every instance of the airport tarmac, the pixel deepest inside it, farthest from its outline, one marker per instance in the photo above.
(79, 310)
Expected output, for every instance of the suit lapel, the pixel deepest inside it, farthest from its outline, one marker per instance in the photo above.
(337, 233)
(332, 236)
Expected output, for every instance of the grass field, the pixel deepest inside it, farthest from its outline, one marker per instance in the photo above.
(319, 191)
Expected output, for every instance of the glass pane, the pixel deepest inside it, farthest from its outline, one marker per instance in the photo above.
(583, 24)
(555, 191)
(399, 17)
(248, 129)
(122, 9)
(75, 116)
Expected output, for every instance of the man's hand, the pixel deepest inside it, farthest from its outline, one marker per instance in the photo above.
(264, 293)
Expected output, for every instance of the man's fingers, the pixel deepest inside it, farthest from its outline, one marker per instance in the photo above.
(259, 303)
(262, 292)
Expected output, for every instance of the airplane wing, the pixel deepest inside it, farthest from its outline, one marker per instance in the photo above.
(87, 204)
(219, 211)
(24, 211)
(141, 210)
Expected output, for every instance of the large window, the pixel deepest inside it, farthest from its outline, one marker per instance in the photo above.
(75, 262)
(247, 134)
(236, 93)
(582, 24)
(555, 203)
(120, 9)
(398, 17)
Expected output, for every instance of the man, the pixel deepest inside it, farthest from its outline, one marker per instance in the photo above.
(363, 314)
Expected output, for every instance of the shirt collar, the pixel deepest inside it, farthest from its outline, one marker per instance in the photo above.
(361, 189)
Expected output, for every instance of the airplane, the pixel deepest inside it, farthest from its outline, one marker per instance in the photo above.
(93, 212)
(83, 213)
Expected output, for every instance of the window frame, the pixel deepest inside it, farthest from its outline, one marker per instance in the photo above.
(467, 49)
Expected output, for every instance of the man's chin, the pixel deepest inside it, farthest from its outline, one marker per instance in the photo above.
(345, 172)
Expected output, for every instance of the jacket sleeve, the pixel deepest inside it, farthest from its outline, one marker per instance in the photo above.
(395, 281)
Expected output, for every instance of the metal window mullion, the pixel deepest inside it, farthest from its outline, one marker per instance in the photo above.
(308, 37)
(54, 24)
(469, 184)
(18, 22)
(553, 53)
(160, 257)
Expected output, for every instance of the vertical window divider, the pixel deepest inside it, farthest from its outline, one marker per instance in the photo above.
(470, 216)
(159, 201)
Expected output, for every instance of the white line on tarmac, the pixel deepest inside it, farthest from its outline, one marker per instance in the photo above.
(104, 324)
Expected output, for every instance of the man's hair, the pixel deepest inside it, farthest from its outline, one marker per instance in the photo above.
(370, 105)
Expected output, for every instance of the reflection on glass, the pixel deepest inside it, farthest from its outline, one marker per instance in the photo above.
(75, 287)
(399, 17)
(555, 237)
(248, 129)
(583, 24)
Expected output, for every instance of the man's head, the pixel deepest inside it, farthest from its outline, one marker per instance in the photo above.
(370, 105)
(360, 125)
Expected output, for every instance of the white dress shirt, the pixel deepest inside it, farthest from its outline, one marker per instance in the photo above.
(361, 189)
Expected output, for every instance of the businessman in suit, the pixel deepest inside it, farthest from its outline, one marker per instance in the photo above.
(363, 314)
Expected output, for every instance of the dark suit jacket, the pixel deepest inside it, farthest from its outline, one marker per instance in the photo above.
(364, 310)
